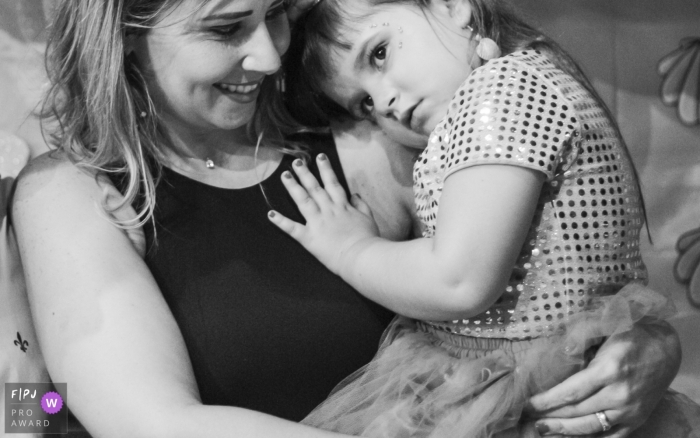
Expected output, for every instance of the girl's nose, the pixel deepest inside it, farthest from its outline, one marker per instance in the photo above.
(386, 105)
(264, 50)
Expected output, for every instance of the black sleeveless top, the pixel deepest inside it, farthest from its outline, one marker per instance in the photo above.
(267, 326)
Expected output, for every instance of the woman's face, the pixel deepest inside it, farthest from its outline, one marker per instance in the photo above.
(204, 62)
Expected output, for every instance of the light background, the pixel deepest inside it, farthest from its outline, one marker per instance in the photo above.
(619, 44)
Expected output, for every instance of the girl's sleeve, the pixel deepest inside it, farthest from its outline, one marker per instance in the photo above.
(511, 111)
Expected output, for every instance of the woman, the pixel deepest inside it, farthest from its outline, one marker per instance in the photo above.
(181, 311)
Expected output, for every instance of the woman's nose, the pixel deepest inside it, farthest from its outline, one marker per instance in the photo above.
(265, 50)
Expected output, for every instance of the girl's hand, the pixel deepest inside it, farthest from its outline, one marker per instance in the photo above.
(335, 228)
(628, 376)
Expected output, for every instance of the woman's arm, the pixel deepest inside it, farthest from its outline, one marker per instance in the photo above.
(102, 323)
(629, 374)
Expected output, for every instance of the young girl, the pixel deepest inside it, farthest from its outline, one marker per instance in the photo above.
(530, 208)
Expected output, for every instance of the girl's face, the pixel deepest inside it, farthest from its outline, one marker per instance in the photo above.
(404, 67)
(204, 63)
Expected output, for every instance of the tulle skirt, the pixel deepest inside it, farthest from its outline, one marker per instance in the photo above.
(426, 383)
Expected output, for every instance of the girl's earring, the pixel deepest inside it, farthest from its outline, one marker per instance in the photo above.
(486, 48)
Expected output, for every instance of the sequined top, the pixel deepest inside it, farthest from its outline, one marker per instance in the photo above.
(522, 110)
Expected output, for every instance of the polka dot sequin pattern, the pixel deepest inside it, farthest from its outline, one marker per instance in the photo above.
(584, 242)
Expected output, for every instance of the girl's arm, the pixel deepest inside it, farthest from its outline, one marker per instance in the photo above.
(636, 366)
(485, 214)
(102, 323)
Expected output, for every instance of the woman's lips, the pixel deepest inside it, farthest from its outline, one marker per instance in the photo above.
(244, 93)
(239, 88)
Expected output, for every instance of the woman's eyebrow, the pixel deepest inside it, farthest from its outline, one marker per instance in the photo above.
(228, 16)
(236, 15)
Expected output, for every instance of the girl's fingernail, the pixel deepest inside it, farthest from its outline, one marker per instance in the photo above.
(271, 214)
(322, 157)
(298, 162)
(542, 428)
(287, 174)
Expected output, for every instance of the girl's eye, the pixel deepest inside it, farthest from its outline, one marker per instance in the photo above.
(380, 53)
(377, 56)
(367, 105)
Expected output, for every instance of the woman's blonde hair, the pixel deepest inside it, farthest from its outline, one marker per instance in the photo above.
(98, 110)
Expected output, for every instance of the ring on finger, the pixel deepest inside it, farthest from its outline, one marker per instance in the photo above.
(603, 420)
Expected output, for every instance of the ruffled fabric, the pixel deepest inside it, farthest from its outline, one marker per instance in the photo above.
(427, 383)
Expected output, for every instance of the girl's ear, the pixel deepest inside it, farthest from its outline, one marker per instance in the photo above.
(460, 11)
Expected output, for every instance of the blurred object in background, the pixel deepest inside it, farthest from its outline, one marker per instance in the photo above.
(22, 75)
(680, 87)
(687, 265)
(26, 20)
(14, 154)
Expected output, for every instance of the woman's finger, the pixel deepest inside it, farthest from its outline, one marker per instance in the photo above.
(569, 392)
(311, 184)
(578, 426)
(610, 397)
(306, 204)
(294, 229)
(330, 180)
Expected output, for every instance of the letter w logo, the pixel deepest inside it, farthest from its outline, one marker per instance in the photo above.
(52, 402)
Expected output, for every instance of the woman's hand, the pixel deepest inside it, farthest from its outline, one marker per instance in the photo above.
(628, 376)
(334, 227)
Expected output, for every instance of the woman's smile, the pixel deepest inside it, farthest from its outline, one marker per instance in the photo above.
(243, 92)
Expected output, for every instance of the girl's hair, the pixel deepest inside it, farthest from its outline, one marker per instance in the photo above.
(324, 28)
(323, 31)
(98, 108)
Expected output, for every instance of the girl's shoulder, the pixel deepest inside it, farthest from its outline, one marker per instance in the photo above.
(524, 77)
(530, 60)
(52, 183)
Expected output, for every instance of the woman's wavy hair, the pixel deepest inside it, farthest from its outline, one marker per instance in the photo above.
(98, 109)
(325, 29)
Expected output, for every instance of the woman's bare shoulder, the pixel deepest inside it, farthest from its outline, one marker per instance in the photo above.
(52, 184)
(52, 177)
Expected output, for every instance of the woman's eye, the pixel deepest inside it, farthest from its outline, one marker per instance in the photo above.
(226, 31)
(277, 11)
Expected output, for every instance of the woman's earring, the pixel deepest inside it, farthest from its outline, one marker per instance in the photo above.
(486, 48)
(281, 83)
